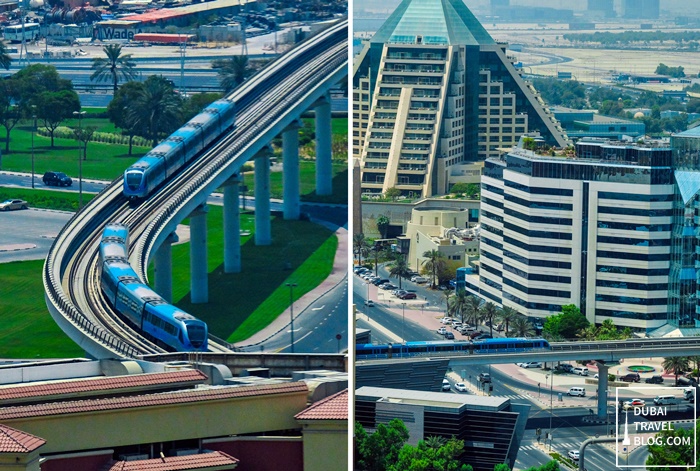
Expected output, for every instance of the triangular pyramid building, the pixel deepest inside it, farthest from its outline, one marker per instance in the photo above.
(432, 89)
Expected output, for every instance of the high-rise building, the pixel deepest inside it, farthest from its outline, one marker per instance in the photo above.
(603, 6)
(640, 9)
(432, 89)
(591, 229)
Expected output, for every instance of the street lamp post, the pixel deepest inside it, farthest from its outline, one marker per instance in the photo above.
(80, 114)
(551, 408)
(291, 312)
(33, 131)
(403, 322)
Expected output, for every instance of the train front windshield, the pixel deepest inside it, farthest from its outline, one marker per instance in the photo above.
(197, 334)
(133, 180)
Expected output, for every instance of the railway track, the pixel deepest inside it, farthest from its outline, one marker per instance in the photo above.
(71, 274)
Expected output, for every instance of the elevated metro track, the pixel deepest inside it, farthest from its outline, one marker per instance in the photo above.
(265, 105)
(607, 351)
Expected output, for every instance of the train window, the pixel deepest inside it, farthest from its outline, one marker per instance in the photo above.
(444, 348)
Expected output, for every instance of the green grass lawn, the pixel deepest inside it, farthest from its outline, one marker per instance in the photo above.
(28, 331)
(48, 199)
(241, 304)
(108, 161)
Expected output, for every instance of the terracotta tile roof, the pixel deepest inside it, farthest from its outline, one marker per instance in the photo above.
(333, 407)
(147, 400)
(16, 441)
(172, 463)
(112, 384)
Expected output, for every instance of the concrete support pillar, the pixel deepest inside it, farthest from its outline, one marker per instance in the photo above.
(324, 174)
(263, 227)
(164, 268)
(199, 283)
(232, 226)
(602, 391)
(290, 171)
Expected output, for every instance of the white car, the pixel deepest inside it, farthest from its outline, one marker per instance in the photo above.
(530, 364)
(461, 387)
(573, 454)
(446, 320)
(10, 205)
(369, 303)
(442, 331)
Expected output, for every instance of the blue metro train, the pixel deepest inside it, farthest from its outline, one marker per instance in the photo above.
(138, 303)
(178, 149)
(449, 347)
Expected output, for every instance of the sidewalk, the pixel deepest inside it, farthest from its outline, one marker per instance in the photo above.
(339, 274)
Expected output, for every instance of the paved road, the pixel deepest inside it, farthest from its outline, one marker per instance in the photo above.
(28, 234)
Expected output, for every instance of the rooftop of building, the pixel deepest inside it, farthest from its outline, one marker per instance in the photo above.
(693, 132)
(209, 461)
(432, 22)
(433, 399)
(333, 407)
(16, 441)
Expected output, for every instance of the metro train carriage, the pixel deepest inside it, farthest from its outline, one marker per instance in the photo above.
(175, 327)
(437, 347)
(138, 303)
(168, 157)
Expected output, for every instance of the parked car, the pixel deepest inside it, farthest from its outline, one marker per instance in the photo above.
(446, 320)
(530, 364)
(11, 205)
(461, 387)
(630, 378)
(484, 336)
(408, 295)
(475, 334)
(658, 379)
(484, 378)
(380, 281)
(56, 179)
(456, 324)
(442, 331)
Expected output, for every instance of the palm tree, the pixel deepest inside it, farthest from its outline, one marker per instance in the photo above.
(489, 312)
(435, 442)
(360, 246)
(459, 305)
(472, 310)
(232, 72)
(156, 108)
(5, 59)
(507, 315)
(522, 327)
(589, 333)
(398, 268)
(677, 365)
(114, 67)
(696, 361)
(435, 263)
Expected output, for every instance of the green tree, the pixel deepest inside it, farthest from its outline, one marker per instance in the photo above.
(551, 466)
(392, 193)
(118, 110)
(198, 102)
(508, 315)
(52, 108)
(458, 305)
(676, 365)
(10, 113)
(427, 458)
(5, 59)
(114, 67)
(676, 454)
(566, 325)
(521, 327)
(156, 110)
(435, 441)
(232, 72)
(472, 310)
(84, 135)
(380, 450)
(360, 246)
(501, 467)
(399, 268)
(489, 312)
(435, 261)
(383, 225)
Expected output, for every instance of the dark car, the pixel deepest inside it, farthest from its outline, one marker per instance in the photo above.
(408, 295)
(56, 179)
(449, 335)
(630, 378)
(484, 378)
(658, 379)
